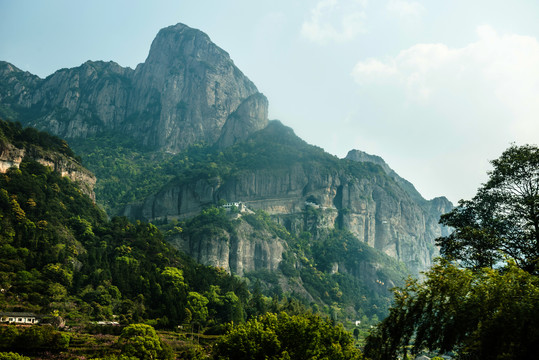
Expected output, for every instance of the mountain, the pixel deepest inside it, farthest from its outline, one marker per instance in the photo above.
(305, 189)
(186, 130)
(60, 254)
(187, 91)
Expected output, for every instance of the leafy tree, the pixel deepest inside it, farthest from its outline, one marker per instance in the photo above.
(488, 308)
(59, 251)
(34, 338)
(487, 314)
(141, 341)
(197, 305)
(502, 220)
(12, 356)
(282, 336)
(8, 336)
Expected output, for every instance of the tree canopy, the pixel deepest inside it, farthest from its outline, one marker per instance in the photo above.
(142, 342)
(482, 300)
(283, 336)
(486, 314)
(502, 220)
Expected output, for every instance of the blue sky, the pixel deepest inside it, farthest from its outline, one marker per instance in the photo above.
(437, 88)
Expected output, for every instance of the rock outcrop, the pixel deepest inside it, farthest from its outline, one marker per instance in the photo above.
(11, 156)
(242, 251)
(362, 199)
(185, 92)
(188, 91)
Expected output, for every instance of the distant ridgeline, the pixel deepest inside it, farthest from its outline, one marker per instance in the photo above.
(186, 131)
(304, 189)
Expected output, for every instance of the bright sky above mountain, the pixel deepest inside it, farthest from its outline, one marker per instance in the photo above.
(436, 88)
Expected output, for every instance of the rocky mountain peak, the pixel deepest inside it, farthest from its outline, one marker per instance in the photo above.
(184, 93)
(187, 89)
(181, 43)
(361, 156)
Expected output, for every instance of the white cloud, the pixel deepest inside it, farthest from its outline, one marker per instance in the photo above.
(334, 21)
(500, 69)
(405, 9)
(457, 103)
(373, 69)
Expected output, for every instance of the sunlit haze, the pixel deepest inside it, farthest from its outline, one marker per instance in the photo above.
(435, 88)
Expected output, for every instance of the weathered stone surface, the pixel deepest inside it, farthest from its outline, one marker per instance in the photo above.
(184, 93)
(189, 91)
(378, 212)
(244, 251)
(248, 118)
(11, 156)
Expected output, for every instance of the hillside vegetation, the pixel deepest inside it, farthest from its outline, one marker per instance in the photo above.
(62, 258)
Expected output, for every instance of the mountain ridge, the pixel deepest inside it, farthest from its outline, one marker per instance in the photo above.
(279, 173)
(182, 94)
(189, 97)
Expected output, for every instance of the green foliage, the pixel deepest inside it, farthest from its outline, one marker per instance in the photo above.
(502, 220)
(31, 139)
(489, 309)
(34, 338)
(282, 336)
(210, 222)
(141, 341)
(345, 288)
(309, 261)
(59, 252)
(12, 356)
(488, 314)
(127, 172)
(197, 305)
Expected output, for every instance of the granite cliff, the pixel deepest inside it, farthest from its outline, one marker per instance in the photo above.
(13, 151)
(187, 95)
(285, 177)
(187, 91)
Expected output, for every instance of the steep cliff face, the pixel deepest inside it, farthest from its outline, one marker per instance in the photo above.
(188, 91)
(242, 251)
(184, 93)
(12, 156)
(357, 196)
(426, 228)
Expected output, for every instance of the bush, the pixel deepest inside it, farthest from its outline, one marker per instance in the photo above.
(12, 356)
(282, 336)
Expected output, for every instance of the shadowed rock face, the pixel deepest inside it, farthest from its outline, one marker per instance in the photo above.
(189, 91)
(184, 93)
(11, 156)
(241, 252)
(376, 213)
(370, 201)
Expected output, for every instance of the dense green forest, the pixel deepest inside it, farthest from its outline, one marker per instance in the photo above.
(60, 252)
(308, 261)
(62, 258)
(143, 171)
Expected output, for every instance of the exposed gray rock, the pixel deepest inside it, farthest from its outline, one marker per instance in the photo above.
(377, 211)
(243, 251)
(251, 116)
(360, 156)
(189, 91)
(184, 93)
(11, 156)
